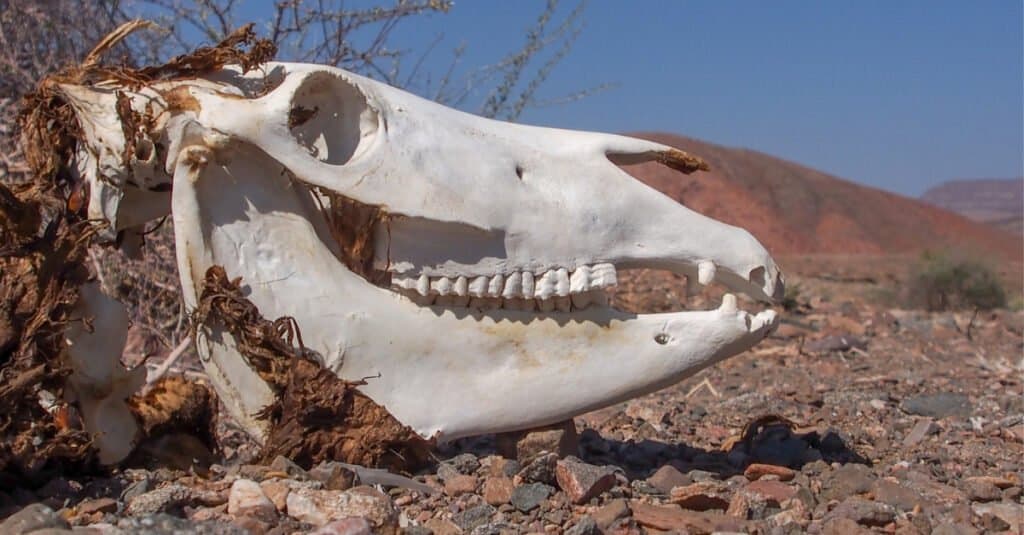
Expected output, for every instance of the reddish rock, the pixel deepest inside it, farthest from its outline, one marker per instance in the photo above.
(98, 505)
(524, 446)
(582, 481)
(668, 517)
(610, 512)
(701, 496)
(667, 478)
(757, 471)
(459, 485)
(498, 490)
(775, 491)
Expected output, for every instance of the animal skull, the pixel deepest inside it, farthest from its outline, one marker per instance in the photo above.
(459, 263)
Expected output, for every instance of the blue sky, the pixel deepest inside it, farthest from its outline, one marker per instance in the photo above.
(898, 95)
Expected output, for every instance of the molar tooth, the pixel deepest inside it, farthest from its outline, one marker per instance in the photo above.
(513, 286)
(441, 286)
(518, 303)
(545, 286)
(423, 285)
(528, 285)
(562, 282)
(581, 300)
(728, 305)
(478, 287)
(495, 285)
(546, 305)
(603, 276)
(598, 297)
(580, 280)
(563, 303)
(461, 287)
(705, 272)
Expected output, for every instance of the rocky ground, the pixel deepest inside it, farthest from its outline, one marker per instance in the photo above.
(854, 417)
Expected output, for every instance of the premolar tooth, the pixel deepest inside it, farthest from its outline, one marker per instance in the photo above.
(403, 283)
(423, 285)
(580, 280)
(545, 285)
(513, 286)
(563, 303)
(496, 284)
(528, 285)
(441, 286)
(546, 305)
(598, 298)
(478, 287)
(562, 282)
(461, 287)
(603, 276)
(728, 305)
(706, 272)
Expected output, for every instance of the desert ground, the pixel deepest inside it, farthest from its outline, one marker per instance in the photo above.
(856, 416)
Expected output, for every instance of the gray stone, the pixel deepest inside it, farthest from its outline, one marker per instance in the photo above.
(941, 405)
(896, 495)
(864, 512)
(585, 525)
(334, 475)
(540, 470)
(582, 481)
(474, 516)
(286, 465)
(33, 517)
(162, 500)
(164, 524)
(465, 463)
(527, 497)
(668, 477)
(847, 480)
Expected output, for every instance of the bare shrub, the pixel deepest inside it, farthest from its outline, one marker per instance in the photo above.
(946, 282)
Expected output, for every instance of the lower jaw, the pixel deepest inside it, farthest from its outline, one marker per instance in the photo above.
(445, 372)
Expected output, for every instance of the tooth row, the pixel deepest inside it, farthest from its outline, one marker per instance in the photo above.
(577, 301)
(550, 285)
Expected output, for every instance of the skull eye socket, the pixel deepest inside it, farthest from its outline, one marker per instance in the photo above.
(331, 118)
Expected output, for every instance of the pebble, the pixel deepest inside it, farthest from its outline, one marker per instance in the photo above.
(247, 499)
(669, 517)
(608, 513)
(864, 512)
(941, 405)
(757, 470)
(318, 507)
(33, 517)
(529, 496)
(585, 525)
(847, 480)
(701, 496)
(582, 481)
(899, 496)
(540, 470)
(498, 490)
(97, 505)
(474, 517)
(560, 439)
(346, 526)
(980, 489)
(164, 499)
(460, 484)
(667, 478)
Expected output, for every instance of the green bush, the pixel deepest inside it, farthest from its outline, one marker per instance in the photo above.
(941, 282)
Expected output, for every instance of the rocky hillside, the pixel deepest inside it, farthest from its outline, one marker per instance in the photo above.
(997, 202)
(795, 209)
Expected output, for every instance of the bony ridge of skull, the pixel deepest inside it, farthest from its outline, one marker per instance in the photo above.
(461, 263)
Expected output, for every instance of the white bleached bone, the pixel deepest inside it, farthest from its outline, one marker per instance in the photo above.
(520, 339)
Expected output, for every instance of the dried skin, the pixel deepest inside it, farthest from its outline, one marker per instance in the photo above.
(316, 415)
(44, 238)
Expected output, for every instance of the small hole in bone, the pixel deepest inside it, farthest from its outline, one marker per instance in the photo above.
(519, 172)
(661, 338)
(143, 150)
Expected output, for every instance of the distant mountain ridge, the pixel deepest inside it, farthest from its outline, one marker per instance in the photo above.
(996, 202)
(793, 209)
